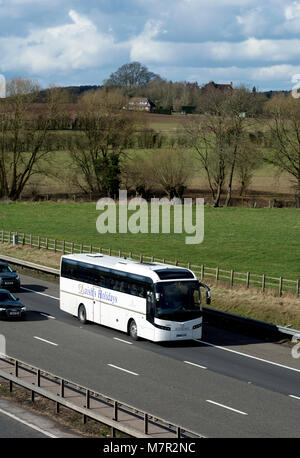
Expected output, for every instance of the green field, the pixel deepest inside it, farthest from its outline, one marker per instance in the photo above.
(243, 239)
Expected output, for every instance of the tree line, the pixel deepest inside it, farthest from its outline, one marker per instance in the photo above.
(233, 135)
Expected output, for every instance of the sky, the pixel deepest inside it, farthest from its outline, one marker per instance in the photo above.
(71, 42)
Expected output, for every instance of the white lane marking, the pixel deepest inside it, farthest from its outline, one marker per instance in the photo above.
(193, 364)
(248, 356)
(42, 294)
(121, 340)
(30, 425)
(47, 341)
(121, 369)
(47, 316)
(293, 396)
(226, 407)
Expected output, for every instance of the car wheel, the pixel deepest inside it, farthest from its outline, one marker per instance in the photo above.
(82, 314)
(133, 330)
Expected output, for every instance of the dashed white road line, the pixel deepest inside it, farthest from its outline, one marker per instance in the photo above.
(293, 396)
(37, 292)
(194, 364)
(121, 369)
(46, 341)
(30, 425)
(226, 407)
(124, 341)
(48, 316)
(248, 356)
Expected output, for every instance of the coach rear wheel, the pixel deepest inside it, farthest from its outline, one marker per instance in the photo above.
(82, 314)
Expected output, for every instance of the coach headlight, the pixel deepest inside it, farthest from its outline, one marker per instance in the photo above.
(164, 328)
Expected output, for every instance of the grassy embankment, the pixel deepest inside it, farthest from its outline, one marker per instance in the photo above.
(243, 239)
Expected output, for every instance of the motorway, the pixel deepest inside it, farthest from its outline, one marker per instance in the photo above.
(226, 385)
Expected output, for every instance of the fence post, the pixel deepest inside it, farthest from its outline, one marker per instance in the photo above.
(280, 286)
(202, 271)
(248, 279)
(217, 274)
(297, 288)
(231, 278)
(263, 283)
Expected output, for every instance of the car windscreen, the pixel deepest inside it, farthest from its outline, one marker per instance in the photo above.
(4, 268)
(5, 297)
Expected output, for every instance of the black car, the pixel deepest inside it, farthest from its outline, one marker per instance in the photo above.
(11, 307)
(9, 279)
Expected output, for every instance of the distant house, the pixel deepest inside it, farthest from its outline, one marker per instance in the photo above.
(222, 87)
(141, 104)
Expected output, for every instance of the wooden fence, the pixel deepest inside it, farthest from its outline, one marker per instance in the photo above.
(230, 278)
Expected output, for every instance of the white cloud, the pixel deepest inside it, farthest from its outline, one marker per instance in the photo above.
(74, 45)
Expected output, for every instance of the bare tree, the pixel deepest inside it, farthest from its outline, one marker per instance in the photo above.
(171, 170)
(105, 131)
(217, 135)
(284, 130)
(25, 138)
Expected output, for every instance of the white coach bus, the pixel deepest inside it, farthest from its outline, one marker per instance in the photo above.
(154, 301)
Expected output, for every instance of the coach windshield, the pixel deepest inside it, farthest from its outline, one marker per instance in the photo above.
(178, 300)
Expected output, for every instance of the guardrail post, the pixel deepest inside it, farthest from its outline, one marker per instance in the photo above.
(146, 423)
(38, 377)
(16, 368)
(178, 432)
(217, 274)
(87, 399)
(202, 271)
(115, 411)
(62, 388)
(297, 288)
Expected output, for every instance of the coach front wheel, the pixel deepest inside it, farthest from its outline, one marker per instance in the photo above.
(133, 330)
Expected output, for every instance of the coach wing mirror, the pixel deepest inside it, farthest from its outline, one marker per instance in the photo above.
(157, 296)
(207, 293)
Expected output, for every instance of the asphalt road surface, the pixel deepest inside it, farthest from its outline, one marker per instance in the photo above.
(226, 385)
